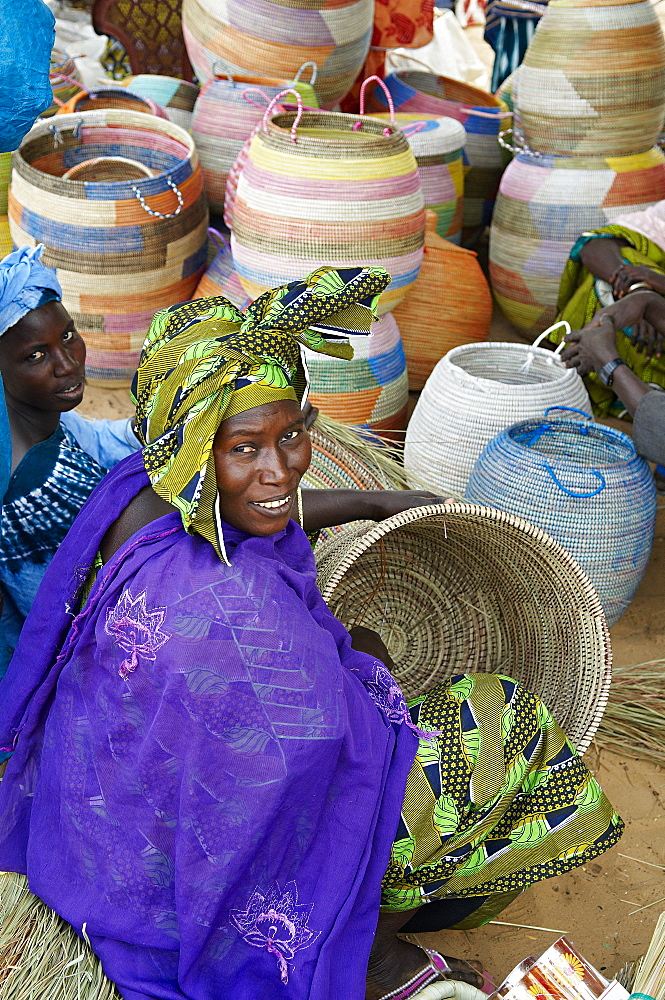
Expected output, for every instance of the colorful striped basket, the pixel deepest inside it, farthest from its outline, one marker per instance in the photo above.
(110, 97)
(372, 390)
(544, 204)
(449, 305)
(6, 242)
(226, 113)
(65, 80)
(438, 146)
(176, 97)
(482, 116)
(273, 38)
(221, 277)
(593, 80)
(121, 249)
(474, 392)
(321, 187)
(586, 486)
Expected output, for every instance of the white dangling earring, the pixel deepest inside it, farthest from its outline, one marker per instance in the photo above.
(300, 513)
(220, 534)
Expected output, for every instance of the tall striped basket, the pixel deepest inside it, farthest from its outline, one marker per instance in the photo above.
(176, 97)
(438, 146)
(544, 203)
(482, 116)
(122, 249)
(474, 392)
(586, 486)
(372, 390)
(6, 243)
(226, 113)
(323, 187)
(592, 81)
(449, 305)
(221, 277)
(274, 38)
(65, 80)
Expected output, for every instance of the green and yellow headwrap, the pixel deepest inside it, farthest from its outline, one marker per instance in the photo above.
(204, 361)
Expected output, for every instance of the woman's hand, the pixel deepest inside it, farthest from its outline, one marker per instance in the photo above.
(366, 640)
(630, 274)
(592, 347)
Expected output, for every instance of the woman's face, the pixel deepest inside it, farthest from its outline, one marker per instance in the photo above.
(260, 457)
(42, 360)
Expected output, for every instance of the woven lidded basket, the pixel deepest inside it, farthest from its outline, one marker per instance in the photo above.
(465, 588)
(473, 393)
(544, 203)
(482, 116)
(449, 305)
(278, 38)
(371, 390)
(592, 81)
(321, 189)
(584, 484)
(121, 249)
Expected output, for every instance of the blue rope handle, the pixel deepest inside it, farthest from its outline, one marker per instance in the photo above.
(572, 409)
(570, 493)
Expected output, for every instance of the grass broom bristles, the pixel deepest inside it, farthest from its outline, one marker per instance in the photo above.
(650, 974)
(634, 720)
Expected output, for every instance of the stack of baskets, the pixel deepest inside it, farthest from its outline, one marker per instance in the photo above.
(123, 248)
(482, 116)
(275, 38)
(589, 109)
(474, 392)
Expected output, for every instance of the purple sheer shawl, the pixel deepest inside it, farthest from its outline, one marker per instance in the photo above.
(202, 776)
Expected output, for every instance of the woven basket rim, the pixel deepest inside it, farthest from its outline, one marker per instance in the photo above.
(583, 162)
(491, 346)
(439, 513)
(378, 127)
(488, 100)
(584, 428)
(102, 118)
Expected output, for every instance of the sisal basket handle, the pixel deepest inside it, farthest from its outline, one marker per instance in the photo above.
(550, 329)
(389, 99)
(570, 409)
(218, 239)
(571, 493)
(256, 90)
(497, 113)
(296, 120)
(221, 69)
(151, 211)
(315, 72)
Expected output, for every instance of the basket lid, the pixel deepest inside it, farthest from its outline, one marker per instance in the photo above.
(459, 587)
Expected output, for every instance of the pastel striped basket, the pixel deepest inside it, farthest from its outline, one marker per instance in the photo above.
(110, 97)
(122, 249)
(371, 390)
(225, 114)
(221, 278)
(482, 116)
(338, 194)
(474, 392)
(274, 39)
(176, 97)
(585, 485)
(592, 81)
(65, 80)
(5, 174)
(544, 204)
(450, 304)
(438, 146)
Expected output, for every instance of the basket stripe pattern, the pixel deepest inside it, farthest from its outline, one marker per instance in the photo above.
(482, 116)
(593, 80)
(372, 390)
(6, 242)
(544, 204)
(433, 321)
(65, 80)
(334, 196)
(223, 120)
(586, 486)
(121, 249)
(221, 278)
(466, 588)
(438, 146)
(279, 37)
(176, 97)
(474, 392)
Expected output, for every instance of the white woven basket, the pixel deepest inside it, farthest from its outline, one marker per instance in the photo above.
(474, 392)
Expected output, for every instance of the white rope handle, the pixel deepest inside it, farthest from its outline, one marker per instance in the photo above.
(551, 329)
(152, 211)
(315, 72)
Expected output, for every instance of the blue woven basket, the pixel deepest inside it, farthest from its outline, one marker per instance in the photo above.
(586, 486)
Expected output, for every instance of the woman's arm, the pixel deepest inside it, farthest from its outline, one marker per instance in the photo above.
(603, 258)
(325, 508)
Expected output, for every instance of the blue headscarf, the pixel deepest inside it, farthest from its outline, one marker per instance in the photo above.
(25, 284)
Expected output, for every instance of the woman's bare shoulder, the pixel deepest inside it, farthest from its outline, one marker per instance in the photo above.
(144, 508)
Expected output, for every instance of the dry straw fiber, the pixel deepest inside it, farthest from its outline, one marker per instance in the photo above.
(122, 249)
(275, 37)
(371, 390)
(465, 588)
(544, 203)
(593, 80)
(586, 486)
(474, 392)
(449, 305)
(482, 116)
(339, 194)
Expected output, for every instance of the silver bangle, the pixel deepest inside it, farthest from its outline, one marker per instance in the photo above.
(638, 285)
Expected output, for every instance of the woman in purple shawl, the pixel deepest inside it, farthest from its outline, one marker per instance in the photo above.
(211, 778)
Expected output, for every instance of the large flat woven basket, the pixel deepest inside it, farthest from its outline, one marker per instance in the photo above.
(466, 588)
